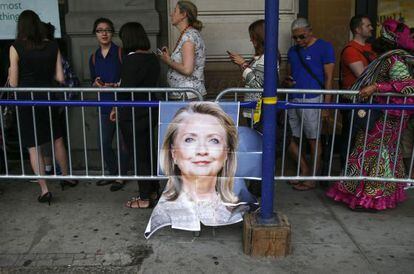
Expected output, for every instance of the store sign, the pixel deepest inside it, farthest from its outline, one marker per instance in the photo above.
(10, 10)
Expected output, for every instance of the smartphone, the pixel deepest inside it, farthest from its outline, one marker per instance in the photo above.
(228, 52)
(291, 79)
(100, 82)
(159, 51)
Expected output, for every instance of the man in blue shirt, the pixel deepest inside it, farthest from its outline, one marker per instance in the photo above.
(105, 71)
(311, 64)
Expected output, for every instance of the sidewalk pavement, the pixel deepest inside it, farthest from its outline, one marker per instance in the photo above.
(88, 230)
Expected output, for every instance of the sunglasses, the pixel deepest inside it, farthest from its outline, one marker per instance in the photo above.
(299, 37)
(104, 31)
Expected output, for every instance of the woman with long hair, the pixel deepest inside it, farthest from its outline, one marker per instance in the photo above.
(377, 155)
(36, 62)
(187, 60)
(140, 68)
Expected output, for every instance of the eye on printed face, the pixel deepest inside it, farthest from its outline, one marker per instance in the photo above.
(200, 147)
(104, 33)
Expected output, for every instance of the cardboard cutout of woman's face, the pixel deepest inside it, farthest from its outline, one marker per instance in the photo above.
(200, 146)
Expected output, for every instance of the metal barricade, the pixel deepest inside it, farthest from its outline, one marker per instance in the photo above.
(86, 98)
(334, 171)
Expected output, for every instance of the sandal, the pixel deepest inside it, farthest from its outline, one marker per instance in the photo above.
(134, 203)
(305, 186)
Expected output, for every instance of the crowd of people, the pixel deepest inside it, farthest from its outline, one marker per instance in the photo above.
(385, 65)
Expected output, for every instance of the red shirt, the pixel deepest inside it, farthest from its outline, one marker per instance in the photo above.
(352, 53)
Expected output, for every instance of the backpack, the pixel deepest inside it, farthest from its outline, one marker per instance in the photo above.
(367, 55)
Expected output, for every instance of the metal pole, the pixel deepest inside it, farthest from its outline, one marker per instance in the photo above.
(269, 109)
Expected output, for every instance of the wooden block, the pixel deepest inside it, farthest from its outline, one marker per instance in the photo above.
(266, 240)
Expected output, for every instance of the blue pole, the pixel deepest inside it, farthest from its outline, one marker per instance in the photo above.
(269, 109)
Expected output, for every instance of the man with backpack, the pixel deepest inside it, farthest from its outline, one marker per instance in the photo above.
(355, 57)
(357, 54)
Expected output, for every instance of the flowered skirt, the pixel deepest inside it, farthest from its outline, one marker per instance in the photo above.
(380, 159)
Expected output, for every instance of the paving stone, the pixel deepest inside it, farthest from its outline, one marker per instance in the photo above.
(326, 236)
(63, 261)
(7, 260)
(85, 262)
(47, 262)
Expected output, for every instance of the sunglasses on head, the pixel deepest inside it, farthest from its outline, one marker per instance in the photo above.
(299, 37)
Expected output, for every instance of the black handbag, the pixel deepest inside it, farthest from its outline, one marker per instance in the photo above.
(361, 122)
(8, 112)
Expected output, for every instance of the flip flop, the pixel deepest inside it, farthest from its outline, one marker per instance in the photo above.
(304, 186)
(293, 183)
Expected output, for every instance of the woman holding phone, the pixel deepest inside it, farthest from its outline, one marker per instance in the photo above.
(186, 61)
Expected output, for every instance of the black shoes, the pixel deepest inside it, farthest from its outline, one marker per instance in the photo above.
(104, 182)
(70, 183)
(363, 209)
(117, 186)
(45, 198)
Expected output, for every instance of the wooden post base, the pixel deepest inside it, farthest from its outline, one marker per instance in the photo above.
(266, 240)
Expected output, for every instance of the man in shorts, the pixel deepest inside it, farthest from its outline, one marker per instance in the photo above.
(311, 64)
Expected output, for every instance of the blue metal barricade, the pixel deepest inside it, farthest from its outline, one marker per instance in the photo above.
(334, 170)
(87, 98)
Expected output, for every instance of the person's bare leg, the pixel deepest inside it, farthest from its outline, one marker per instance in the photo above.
(308, 185)
(61, 155)
(36, 163)
(294, 151)
(312, 144)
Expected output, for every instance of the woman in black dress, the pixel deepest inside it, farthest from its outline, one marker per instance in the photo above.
(140, 68)
(36, 62)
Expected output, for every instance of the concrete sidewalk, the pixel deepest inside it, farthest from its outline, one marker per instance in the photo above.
(87, 229)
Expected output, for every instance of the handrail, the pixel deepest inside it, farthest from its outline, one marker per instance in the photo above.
(99, 90)
(305, 91)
